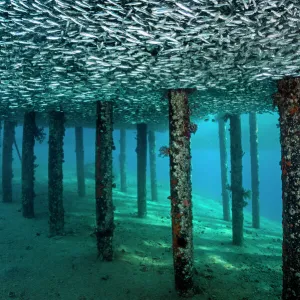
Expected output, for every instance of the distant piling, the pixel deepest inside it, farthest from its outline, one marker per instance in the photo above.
(80, 161)
(152, 159)
(1, 129)
(287, 100)
(7, 160)
(254, 170)
(236, 180)
(181, 191)
(224, 168)
(104, 180)
(17, 149)
(141, 151)
(122, 161)
(55, 172)
(28, 158)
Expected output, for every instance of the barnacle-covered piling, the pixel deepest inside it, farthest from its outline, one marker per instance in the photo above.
(152, 157)
(181, 191)
(104, 177)
(141, 151)
(224, 168)
(80, 161)
(122, 160)
(28, 158)
(288, 101)
(254, 170)
(7, 159)
(55, 172)
(237, 190)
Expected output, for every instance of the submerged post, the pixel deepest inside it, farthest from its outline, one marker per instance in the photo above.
(28, 159)
(122, 160)
(80, 161)
(104, 178)
(55, 172)
(236, 180)
(181, 191)
(288, 101)
(254, 170)
(1, 128)
(224, 168)
(141, 151)
(152, 156)
(7, 159)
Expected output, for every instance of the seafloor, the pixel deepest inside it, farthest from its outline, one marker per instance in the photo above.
(36, 267)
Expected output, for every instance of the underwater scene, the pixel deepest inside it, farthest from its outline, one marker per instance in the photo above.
(149, 149)
(34, 265)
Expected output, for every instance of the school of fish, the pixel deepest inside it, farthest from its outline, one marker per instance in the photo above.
(70, 53)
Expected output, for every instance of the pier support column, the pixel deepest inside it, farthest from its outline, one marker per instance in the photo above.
(152, 156)
(254, 170)
(80, 161)
(104, 180)
(7, 159)
(141, 151)
(1, 145)
(122, 160)
(28, 158)
(181, 191)
(288, 101)
(237, 190)
(55, 172)
(224, 168)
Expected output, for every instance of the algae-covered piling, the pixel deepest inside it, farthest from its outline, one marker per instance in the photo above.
(103, 178)
(152, 160)
(122, 161)
(7, 159)
(80, 161)
(254, 170)
(237, 190)
(55, 172)
(28, 158)
(224, 168)
(141, 151)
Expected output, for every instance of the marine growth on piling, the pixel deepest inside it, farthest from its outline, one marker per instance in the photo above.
(7, 160)
(103, 180)
(287, 99)
(28, 166)
(181, 191)
(55, 172)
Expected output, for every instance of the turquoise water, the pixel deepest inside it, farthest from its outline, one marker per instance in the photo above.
(206, 178)
(143, 253)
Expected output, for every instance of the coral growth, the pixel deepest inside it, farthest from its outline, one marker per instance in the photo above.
(164, 151)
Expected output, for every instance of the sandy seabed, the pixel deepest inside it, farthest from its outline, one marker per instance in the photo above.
(36, 267)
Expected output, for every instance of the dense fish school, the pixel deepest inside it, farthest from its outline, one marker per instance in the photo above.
(68, 54)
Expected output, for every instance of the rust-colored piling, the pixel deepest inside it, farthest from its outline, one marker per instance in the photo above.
(7, 159)
(152, 159)
(254, 170)
(237, 190)
(80, 161)
(55, 172)
(122, 160)
(104, 177)
(288, 101)
(28, 158)
(141, 151)
(224, 168)
(181, 191)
